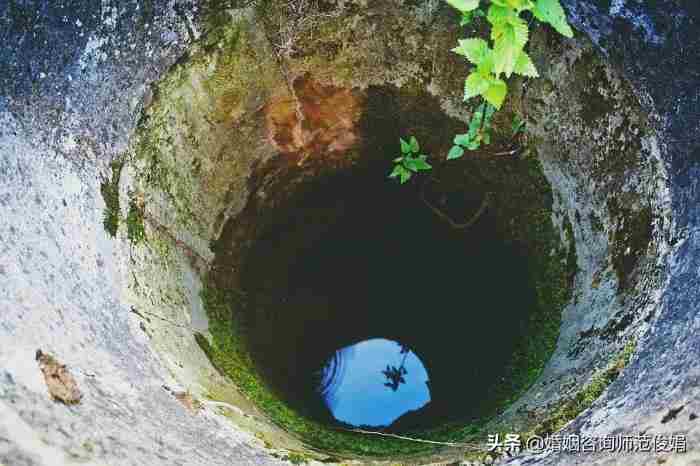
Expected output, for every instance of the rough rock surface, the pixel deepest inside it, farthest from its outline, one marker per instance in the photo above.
(73, 79)
(654, 44)
(73, 76)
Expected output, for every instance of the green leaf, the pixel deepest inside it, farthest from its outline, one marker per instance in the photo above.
(455, 153)
(467, 17)
(421, 164)
(414, 145)
(475, 50)
(401, 172)
(505, 56)
(509, 39)
(496, 93)
(520, 32)
(474, 145)
(475, 122)
(551, 11)
(416, 164)
(474, 85)
(461, 140)
(410, 164)
(512, 28)
(486, 66)
(464, 5)
(506, 53)
(525, 67)
(519, 5)
(398, 159)
(528, 5)
(499, 14)
(405, 147)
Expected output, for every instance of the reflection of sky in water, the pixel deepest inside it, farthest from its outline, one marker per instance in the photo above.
(358, 395)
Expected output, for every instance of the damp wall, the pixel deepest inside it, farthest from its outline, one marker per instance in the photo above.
(75, 80)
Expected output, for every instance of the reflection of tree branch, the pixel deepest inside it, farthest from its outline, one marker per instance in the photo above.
(448, 219)
(471, 446)
(403, 361)
(395, 376)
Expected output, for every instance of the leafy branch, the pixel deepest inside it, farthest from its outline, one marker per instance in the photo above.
(509, 34)
(493, 62)
(410, 161)
(479, 131)
(497, 61)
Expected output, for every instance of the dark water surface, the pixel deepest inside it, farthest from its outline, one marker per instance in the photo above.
(357, 272)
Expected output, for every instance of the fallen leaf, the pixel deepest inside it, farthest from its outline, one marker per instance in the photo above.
(61, 384)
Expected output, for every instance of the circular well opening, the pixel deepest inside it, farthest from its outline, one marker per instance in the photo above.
(354, 260)
(461, 269)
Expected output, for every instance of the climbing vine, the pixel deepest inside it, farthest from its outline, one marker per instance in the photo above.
(479, 131)
(495, 62)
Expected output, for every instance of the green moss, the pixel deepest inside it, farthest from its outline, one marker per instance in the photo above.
(135, 230)
(215, 20)
(110, 193)
(154, 149)
(185, 147)
(227, 353)
(570, 409)
(296, 458)
(266, 442)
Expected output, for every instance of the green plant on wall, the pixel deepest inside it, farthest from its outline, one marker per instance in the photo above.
(410, 161)
(479, 131)
(509, 35)
(135, 230)
(497, 61)
(110, 193)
